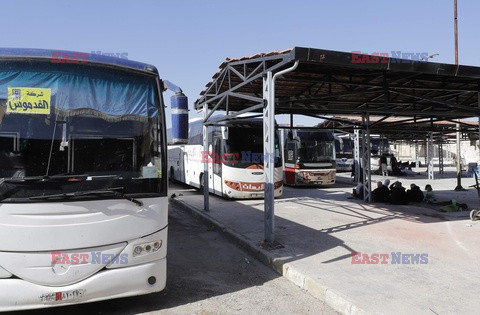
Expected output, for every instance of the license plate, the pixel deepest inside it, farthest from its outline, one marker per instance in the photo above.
(71, 295)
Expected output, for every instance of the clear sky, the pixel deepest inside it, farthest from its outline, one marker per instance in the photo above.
(187, 40)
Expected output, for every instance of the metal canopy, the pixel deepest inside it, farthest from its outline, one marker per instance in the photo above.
(330, 83)
(321, 83)
(404, 128)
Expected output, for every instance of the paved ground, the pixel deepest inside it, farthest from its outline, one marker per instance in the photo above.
(320, 228)
(207, 274)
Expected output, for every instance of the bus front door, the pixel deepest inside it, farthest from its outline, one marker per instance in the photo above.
(217, 166)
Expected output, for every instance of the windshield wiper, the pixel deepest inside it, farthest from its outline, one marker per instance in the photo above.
(59, 177)
(106, 192)
(23, 179)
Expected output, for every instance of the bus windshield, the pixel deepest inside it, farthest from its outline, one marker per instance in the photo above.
(70, 128)
(344, 148)
(247, 144)
(315, 147)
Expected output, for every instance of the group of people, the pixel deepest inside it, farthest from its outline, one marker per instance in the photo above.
(396, 193)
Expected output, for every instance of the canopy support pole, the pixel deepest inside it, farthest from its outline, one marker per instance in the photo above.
(431, 172)
(459, 160)
(206, 205)
(366, 159)
(269, 150)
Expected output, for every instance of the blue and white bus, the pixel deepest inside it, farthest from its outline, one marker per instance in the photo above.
(83, 191)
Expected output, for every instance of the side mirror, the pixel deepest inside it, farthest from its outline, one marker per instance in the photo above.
(292, 149)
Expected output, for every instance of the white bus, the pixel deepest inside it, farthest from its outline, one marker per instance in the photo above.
(83, 191)
(309, 157)
(344, 152)
(235, 159)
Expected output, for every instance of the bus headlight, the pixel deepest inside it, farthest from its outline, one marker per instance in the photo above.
(146, 248)
(278, 184)
(143, 250)
(233, 185)
(137, 251)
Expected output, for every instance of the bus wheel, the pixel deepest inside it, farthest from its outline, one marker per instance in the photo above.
(172, 175)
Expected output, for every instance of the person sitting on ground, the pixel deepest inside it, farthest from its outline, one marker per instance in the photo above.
(429, 195)
(448, 206)
(409, 172)
(358, 191)
(381, 193)
(415, 194)
(398, 196)
(386, 183)
(396, 171)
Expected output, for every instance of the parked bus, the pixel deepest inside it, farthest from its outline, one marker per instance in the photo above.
(83, 191)
(344, 153)
(234, 157)
(309, 157)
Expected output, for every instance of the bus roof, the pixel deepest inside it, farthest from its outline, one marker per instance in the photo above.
(66, 55)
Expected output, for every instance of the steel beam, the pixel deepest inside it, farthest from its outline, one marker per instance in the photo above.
(335, 108)
(366, 159)
(431, 100)
(269, 149)
(459, 160)
(356, 154)
(206, 205)
(281, 61)
(440, 157)
(431, 172)
(390, 87)
(417, 160)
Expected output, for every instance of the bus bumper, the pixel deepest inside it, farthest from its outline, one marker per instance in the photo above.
(245, 191)
(305, 177)
(17, 294)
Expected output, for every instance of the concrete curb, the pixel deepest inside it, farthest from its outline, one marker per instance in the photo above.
(334, 299)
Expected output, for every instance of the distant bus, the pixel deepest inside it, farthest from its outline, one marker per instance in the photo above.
(309, 157)
(234, 157)
(344, 153)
